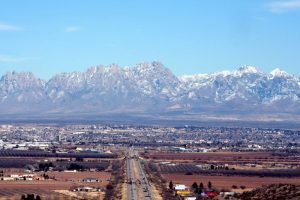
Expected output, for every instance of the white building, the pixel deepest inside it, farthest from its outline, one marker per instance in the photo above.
(180, 187)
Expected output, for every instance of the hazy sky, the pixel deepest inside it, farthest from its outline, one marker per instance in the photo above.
(188, 36)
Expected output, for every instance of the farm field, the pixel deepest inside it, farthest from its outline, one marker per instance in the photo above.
(78, 176)
(196, 155)
(14, 190)
(226, 182)
(225, 156)
(64, 182)
(230, 158)
(44, 185)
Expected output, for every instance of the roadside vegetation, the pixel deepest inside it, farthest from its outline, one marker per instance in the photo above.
(155, 177)
(114, 187)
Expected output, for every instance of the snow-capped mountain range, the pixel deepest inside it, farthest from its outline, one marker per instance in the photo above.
(151, 88)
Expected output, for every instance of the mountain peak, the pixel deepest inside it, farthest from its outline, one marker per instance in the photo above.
(20, 76)
(279, 73)
(151, 68)
(157, 64)
(15, 73)
(150, 65)
(247, 69)
(150, 85)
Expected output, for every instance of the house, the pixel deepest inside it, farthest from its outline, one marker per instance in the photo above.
(190, 198)
(229, 193)
(17, 177)
(7, 179)
(90, 180)
(87, 189)
(180, 187)
(182, 190)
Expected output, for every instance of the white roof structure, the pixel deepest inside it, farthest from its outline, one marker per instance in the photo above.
(180, 187)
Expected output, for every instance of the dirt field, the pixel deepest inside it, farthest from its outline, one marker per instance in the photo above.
(15, 191)
(64, 181)
(42, 188)
(214, 156)
(231, 158)
(78, 176)
(193, 156)
(45, 185)
(226, 182)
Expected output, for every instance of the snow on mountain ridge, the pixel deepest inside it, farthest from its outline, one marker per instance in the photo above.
(248, 69)
(149, 85)
(187, 78)
(279, 73)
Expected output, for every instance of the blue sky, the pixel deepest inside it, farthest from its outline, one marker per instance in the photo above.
(188, 36)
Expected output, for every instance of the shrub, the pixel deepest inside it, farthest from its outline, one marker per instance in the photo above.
(109, 187)
(234, 187)
(243, 187)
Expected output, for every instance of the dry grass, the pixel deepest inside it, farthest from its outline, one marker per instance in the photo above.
(155, 193)
(78, 176)
(82, 195)
(124, 191)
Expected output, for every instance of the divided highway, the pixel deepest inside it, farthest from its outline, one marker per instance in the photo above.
(138, 187)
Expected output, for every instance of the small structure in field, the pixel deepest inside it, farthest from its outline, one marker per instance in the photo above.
(91, 180)
(86, 189)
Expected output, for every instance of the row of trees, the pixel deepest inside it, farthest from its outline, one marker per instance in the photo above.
(30, 197)
(113, 189)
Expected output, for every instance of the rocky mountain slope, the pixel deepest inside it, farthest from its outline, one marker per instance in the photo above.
(151, 88)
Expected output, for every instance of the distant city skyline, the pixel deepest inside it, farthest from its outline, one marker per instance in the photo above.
(189, 37)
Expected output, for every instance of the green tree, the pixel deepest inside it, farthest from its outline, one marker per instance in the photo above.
(201, 187)
(171, 185)
(209, 185)
(195, 187)
(38, 197)
(30, 197)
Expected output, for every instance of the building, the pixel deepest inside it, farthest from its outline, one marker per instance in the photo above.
(90, 180)
(87, 189)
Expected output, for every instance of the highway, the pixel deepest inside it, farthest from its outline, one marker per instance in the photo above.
(139, 187)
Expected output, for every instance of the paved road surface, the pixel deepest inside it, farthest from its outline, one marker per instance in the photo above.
(139, 187)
